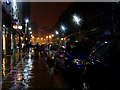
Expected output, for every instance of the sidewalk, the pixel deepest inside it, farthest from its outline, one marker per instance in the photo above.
(10, 61)
(15, 75)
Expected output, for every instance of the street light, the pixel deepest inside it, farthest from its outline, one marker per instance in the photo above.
(30, 32)
(63, 28)
(27, 20)
(29, 28)
(52, 35)
(57, 32)
(77, 19)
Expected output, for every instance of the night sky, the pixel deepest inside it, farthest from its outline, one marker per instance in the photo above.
(44, 15)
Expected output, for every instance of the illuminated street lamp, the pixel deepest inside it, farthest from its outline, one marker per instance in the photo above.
(41, 38)
(46, 36)
(32, 36)
(30, 32)
(56, 32)
(29, 28)
(77, 19)
(63, 28)
(27, 20)
(52, 35)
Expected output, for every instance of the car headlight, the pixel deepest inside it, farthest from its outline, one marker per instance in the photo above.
(77, 61)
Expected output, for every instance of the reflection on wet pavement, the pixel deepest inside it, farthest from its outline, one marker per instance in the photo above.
(33, 73)
(19, 76)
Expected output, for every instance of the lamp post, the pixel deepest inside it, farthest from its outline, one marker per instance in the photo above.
(26, 25)
(77, 20)
(27, 34)
(63, 30)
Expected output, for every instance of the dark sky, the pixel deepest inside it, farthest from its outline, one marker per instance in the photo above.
(46, 14)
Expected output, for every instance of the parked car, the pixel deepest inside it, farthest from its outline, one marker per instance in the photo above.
(102, 67)
(72, 55)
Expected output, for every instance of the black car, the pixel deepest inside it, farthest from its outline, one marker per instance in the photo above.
(102, 69)
(71, 56)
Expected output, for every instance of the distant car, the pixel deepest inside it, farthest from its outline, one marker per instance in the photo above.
(102, 69)
(51, 52)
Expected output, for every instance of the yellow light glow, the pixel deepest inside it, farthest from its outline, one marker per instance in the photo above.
(32, 36)
(50, 36)
(41, 38)
(4, 42)
(21, 38)
(37, 38)
(46, 36)
(62, 38)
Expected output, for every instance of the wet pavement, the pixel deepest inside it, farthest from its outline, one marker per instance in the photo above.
(33, 73)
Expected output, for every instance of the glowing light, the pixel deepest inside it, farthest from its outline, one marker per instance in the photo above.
(37, 38)
(21, 38)
(30, 28)
(20, 27)
(32, 36)
(63, 28)
(4, 42)
(3, 25)
(23, 45)
(106, 42)
(57, 32)
(77, 19)
(62, 39)
(46, 36)
(50, 36)
(15, 26)
(41, 38)
(26, 20)
(30, 32)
